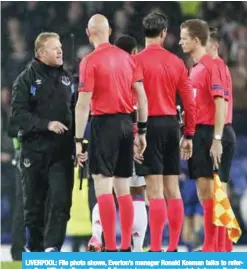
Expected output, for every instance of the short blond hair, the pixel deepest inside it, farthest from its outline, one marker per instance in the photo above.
(41, 39)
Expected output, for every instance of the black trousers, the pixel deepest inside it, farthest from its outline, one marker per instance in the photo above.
(44, 174)
(18, 228)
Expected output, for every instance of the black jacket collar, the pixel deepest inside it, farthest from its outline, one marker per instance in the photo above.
(42, 67)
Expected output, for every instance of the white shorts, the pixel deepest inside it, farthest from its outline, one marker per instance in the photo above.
(136, 181)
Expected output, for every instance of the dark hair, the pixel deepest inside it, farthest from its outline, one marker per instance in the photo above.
(214, 35)
(197, 28)
(154, 23)
(126, 43)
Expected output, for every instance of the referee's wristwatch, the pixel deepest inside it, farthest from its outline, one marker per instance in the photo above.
(217, 137)
(142, 128)
(78, 140)
(189, 137)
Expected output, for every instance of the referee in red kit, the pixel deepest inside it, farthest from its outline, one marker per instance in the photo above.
(107, 76)
(210, 119)
(164, 73)
(223, 243)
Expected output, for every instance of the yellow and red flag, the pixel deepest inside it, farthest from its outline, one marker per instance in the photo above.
(223, 214)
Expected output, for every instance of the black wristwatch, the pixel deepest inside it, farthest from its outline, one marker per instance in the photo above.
(188, 137)
(142, 127)
(78, 140)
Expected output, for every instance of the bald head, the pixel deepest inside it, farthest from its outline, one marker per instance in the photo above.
(98, 30)
(98, 25)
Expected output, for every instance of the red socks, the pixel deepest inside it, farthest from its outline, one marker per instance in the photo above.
(228, 244)
(126, 212)
(175, 220)
(221, 239)
(107, 211)
(157, 219)
(216, 240)
(209, 227)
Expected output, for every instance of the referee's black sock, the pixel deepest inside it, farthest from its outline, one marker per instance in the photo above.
(175, 250)
(125, 250)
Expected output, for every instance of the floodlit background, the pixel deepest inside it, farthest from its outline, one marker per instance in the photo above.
(21, 22)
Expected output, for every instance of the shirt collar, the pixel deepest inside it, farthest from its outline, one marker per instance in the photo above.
(204, 58)
(103, 45)
(42, 67)
(154, 46)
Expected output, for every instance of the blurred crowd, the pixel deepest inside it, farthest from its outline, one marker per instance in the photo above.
(21, 22)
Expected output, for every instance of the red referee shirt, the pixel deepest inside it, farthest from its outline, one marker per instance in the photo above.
(229, 95)
(108, 73)
(207, 84)
(139, 72)
(163, 74)
(227, 84)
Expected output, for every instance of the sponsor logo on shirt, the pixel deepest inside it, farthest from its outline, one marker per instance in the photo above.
(216, 87)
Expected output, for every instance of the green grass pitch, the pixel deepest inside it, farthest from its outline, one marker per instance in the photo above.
(10, 265)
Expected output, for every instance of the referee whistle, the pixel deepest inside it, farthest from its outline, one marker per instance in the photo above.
(83, 170)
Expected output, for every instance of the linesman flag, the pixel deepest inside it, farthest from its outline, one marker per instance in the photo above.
(223, 214)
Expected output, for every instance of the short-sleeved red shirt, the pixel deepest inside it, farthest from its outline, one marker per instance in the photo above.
(229, 93)
(108, 72)
(140, 74)
(163, 74)
(227, 84)
(207, 84)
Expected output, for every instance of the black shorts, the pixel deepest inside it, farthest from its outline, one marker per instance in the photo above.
(161, 156)
(201, 165)
(111, 145)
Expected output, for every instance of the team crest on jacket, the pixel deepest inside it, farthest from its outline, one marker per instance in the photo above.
(26, 163)
(65, 80)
